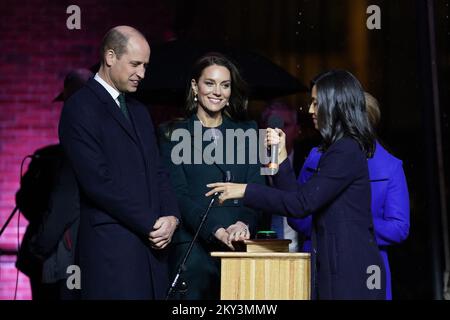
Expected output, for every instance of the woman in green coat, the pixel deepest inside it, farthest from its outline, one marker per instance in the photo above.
(207, 146)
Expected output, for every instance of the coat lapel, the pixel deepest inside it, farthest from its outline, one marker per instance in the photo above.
(136, 120)
(379, 165)
(112, 107)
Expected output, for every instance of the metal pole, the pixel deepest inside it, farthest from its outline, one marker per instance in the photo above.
(435, 176)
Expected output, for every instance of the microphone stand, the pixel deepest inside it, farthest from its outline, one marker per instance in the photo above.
(16, 207)
(182, 266)
(9, 219)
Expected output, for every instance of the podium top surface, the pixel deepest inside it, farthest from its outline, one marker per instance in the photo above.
(268, 241)
(262, 245)
(265, 255)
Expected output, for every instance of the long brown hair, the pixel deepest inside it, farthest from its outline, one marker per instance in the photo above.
(237, 108)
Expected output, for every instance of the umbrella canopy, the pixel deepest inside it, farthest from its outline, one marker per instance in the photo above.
(170, 66)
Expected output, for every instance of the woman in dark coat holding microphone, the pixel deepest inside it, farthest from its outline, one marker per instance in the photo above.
(346, 263)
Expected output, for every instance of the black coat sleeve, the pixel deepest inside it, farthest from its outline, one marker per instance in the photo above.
(80, 137)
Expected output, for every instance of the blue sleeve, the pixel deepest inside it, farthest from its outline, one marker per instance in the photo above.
(393, 227)
(310, 166)
(301, 225)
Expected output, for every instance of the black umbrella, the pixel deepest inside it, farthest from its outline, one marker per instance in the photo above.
(170, 66)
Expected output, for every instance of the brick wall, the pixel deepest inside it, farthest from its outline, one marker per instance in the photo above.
(37, 50)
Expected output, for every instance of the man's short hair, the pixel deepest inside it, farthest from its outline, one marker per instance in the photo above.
(116, 41)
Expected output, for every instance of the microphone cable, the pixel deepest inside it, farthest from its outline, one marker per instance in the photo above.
(18, 225)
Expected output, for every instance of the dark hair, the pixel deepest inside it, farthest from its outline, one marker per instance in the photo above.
(237, 108)
(342, 110)
(117, 41)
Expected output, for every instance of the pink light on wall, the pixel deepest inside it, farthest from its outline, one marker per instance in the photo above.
(37, 52)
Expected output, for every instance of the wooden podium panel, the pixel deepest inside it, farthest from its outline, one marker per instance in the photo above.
(264, 275)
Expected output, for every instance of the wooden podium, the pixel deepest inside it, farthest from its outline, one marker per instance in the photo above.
(264, 275)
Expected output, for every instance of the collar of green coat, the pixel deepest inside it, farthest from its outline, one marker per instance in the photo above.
(227, 123)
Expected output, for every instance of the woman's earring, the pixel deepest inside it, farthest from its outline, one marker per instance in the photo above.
(228, 103)
(195, 98)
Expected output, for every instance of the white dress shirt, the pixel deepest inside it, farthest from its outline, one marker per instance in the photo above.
(113, 92)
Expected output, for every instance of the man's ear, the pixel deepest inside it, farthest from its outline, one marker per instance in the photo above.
(110, 57)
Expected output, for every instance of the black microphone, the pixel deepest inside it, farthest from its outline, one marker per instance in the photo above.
(183, 286)
(227, 176)
(274, 122)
